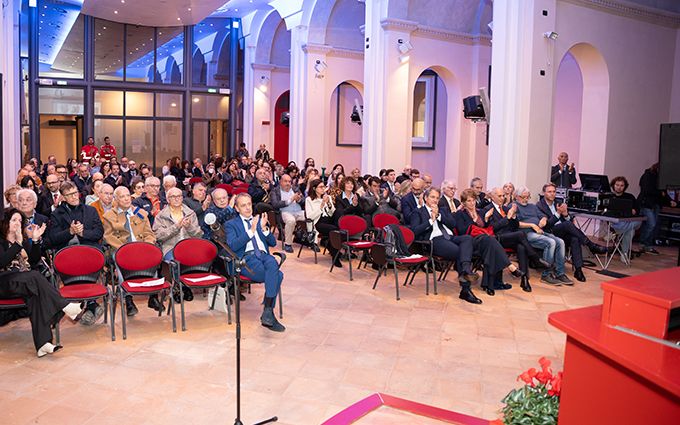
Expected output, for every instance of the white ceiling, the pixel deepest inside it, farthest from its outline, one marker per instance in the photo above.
(165, 13)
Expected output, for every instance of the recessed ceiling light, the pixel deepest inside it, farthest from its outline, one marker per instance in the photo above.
(189, 9)
(115, 11)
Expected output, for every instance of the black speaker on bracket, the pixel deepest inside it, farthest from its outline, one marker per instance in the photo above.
(285, 118)
(472, 107)
(669, 157)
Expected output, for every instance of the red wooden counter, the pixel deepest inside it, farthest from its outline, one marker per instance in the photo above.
(612, 376)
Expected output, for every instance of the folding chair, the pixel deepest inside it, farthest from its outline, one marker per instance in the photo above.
(192, 267)
(138, 263)
(194, 180)
(80, 269)
(379, 254)
(351, 226)
(241, 189)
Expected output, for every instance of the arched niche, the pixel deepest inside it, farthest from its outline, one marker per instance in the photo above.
(200, 68)
(581, 109)
(280, 51)
(446, 157)
(343, 100)
(281, 130)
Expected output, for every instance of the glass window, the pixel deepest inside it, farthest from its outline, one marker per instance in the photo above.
(170, 58)
(108, 102)
(424, 98)
(24, 91)
(113, 128)
(108, 50)
(201, 138)
(168, 142)
(138, 104)
(209, 106)
(139, 141)
(61, 30)
(60, 101)
(169, 105)
(139, 56)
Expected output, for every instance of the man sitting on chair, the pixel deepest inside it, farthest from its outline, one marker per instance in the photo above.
(249, 237)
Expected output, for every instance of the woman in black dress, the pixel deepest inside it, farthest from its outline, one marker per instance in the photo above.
(19, 248)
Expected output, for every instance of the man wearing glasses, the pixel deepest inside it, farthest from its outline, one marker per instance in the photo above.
(150, 201)
(448, 192)
(73, 223)
(50, 198)
(532, 221)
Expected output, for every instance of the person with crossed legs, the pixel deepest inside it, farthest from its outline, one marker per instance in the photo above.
(437, 224)
(249, 237)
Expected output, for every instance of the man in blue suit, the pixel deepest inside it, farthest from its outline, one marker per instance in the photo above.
(249, 237)
(435, 224)
(412, 200)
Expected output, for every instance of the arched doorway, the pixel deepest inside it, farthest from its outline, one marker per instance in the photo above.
(582, 109)
(281, 129)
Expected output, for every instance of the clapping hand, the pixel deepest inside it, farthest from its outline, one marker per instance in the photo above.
(571, 167)
(488, 214)
(355, 200)
(35, 232)
(562, 209)
(435, 213)
(78, 228)
(543, 222)
(206, 202)
(513, 211)
(264, 220)
(253, 224)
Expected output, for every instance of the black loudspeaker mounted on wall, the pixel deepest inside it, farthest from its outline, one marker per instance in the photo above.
(472, 107)
(669, 157)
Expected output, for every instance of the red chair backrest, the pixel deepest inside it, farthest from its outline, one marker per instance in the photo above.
(138, 259)
(382, 220)
(229, 188)
(195, 180)
(240, 189)
(352, 224)
(194, 251)
(407, 234)
(79, 264)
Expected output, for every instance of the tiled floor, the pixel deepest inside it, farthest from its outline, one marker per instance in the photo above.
(344, 341)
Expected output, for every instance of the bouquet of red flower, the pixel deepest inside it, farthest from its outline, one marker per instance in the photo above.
(537, 402)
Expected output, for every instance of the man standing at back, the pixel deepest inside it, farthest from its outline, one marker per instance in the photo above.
(107, 150)
(249, 237)
(562, 174)
(89, 150)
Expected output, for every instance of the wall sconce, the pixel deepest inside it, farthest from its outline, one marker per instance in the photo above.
(551, 35)
(319, 75)
(404, 58)
(264, 82)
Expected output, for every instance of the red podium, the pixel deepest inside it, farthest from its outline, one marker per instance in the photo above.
(620, 364)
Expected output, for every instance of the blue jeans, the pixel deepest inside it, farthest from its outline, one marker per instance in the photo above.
(628, 230)
(647, 232)
(553, 250)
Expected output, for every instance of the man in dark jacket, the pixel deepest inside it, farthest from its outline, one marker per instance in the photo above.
(435, 224)
(259, 190)
(559, 223)
(651, 200)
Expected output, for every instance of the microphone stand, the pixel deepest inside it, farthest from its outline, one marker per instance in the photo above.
(238, 264)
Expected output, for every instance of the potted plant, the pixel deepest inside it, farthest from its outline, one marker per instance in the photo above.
(537, 402)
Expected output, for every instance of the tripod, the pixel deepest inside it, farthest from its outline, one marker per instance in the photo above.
(237, 265)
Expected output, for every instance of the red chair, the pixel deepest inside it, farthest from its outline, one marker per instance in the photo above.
(349, 239)
(138, 263)
(229, 188)
(80, 269)
(382, 220)
(380, 257)
(193, 264)
(194, 180)
(240, 189)
(236, 183)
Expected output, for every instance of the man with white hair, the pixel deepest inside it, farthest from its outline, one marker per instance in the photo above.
(198, 169)
(169, 182)
(27, 201)
(532, 221)
(127, 223)
(448, 192)
(150, 201)
(105, 201)
(290, 202)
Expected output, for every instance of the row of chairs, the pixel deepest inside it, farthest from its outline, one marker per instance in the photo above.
(144, 272)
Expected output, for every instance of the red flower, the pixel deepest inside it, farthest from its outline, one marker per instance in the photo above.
(496, 422)
(526, 378)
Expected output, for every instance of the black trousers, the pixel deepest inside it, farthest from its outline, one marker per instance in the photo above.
(494, 256)
(458, 248)
(325, 226)
(574, 238)
(518, 242)
(42, 299)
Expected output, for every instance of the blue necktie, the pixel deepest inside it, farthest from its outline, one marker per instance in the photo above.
(256, 247)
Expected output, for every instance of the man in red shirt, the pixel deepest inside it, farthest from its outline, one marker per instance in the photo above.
(89, 150)
(107, 151)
